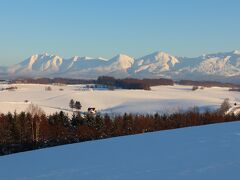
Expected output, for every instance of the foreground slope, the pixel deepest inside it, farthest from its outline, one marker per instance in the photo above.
(206, 152)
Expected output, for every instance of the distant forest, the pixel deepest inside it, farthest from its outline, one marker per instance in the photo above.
(34, 129)
(127, 83)
(208, 84)
(111, 82)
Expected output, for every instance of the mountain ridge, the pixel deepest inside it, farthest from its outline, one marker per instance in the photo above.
(155, 65)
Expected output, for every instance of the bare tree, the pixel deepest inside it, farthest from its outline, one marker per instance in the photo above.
(225, 106)
(35, 110)
(48, 88)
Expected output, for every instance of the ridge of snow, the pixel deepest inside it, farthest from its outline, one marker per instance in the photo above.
(237, 52)
(154, 65)
(32, 60)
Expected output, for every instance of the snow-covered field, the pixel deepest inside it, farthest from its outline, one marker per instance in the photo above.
(159, 99)
(197, 153)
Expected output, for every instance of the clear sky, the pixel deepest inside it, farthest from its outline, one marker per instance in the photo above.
(109, 27)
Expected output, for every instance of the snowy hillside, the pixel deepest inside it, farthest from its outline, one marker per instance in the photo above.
(37, 65)
(219, 66)
(206, 152)
(161, 99)
(92, 68)
(154, 65)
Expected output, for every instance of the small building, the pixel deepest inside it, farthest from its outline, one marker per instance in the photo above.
(92, 110)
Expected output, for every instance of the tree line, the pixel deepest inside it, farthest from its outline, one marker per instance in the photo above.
(33, 129)
(208, 83)
(111, 82)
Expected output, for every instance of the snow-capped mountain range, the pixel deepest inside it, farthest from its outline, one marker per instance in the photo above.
(219, 66)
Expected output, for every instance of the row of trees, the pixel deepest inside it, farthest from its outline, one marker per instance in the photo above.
(208, 83)
(111, 82)
(33, 129)
(53, 81)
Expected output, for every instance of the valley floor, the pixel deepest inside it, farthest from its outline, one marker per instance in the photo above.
(205, 152)
(161, 99)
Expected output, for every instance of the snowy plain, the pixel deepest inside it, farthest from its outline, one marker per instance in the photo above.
(161, 99)
(199, 153)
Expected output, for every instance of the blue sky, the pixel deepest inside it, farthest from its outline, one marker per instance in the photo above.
(109, 27)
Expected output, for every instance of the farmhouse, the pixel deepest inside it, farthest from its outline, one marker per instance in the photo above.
(92, 110)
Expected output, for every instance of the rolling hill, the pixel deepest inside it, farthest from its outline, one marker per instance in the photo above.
(206, 152)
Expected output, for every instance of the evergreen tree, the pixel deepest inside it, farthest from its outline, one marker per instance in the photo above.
(77, 120)
(72, 104)
(78, 105)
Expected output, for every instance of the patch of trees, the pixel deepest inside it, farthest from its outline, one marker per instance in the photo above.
(207, 83)
(234, 89)
(33, 129)
(10, 88)
(131, 83)
(194, 88)
(159, 82)
(75, 105)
